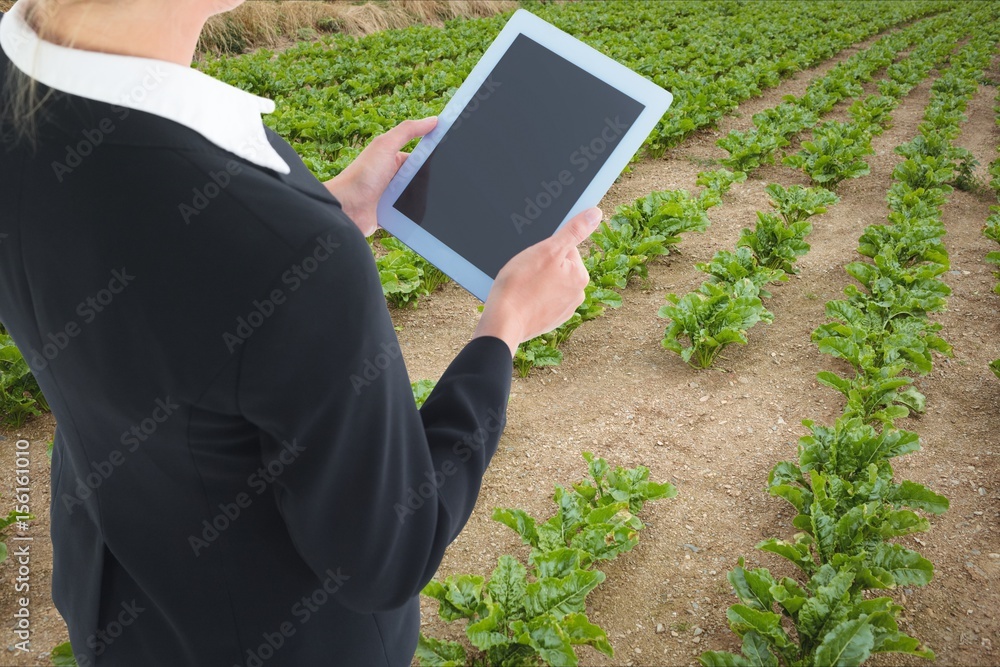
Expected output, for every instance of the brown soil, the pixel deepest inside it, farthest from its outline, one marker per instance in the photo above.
(715, 434)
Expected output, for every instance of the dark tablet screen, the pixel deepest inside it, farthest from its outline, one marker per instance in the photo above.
(517, 159)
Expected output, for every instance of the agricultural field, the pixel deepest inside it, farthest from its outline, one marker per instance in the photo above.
(782, 393)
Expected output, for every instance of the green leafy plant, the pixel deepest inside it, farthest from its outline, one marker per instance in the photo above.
(848, 508)
(704, 323)
(6, 522)
(834, 623)
(992, 232)
(874, 111)
(62, 656)
(749, 150)
(720, 180)
(535, 615)
(835, 153)
(873, 337)
(775, 243)
(909, 239)
(514, 620)
(877, 394)
(401, 279)
(849, 505)
(421, 390)
(797, 203)
(727, 268)
(535, 353)
(786, 119)
(405, 275)
(596, 515)
(20, 396)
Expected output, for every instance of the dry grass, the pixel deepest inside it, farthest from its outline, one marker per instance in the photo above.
(272, 23)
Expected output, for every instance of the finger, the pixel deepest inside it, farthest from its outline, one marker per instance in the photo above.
(407, 131)
(401, 159)
(577, 230)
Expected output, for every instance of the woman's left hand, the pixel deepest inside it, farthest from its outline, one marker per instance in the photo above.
(360, 185)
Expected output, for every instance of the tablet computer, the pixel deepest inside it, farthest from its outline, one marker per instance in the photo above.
(536, 134)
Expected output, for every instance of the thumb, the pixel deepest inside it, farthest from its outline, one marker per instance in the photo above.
(577, 230)
(407, 131)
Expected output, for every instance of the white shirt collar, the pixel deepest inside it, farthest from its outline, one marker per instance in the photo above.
(226, 116)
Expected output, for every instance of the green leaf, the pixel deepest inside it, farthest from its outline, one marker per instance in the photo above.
(790, 596)
(446, 609)
(559, 563)
(757, 652)
(847, 645)
(561, 596)
(834, 381)
(753, 587)
(520, 522)
(722, 659)
(544, 634)
(507, 586)
(828, 607)
(908, 568)
(918, 496)
(898, 642)
(743, 619)
(488, 631)
(798, 553)
(581, 631)
(62, 656)
(435, 653)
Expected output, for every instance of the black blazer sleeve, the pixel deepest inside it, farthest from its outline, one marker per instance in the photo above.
(370, 487)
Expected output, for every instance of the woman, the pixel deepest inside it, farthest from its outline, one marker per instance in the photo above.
(240, 475)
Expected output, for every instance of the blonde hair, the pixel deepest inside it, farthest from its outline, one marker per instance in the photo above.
(24, 103)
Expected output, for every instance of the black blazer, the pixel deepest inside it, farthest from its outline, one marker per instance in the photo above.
(240, 475)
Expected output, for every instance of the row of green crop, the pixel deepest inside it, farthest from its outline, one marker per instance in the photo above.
(722, 310)
(728, 304)
(992, 229)
(709, 318)
(837, 150)
(849, 507)
(20, 396)
(333, 97)
(622, 248)
(536, 615)
(774, 128)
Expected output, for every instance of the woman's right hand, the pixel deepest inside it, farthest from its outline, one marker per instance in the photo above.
(540, 287)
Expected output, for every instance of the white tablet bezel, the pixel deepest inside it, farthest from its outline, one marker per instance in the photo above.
(655, 99)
